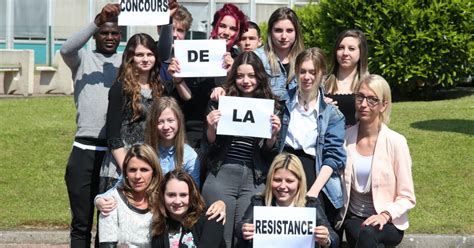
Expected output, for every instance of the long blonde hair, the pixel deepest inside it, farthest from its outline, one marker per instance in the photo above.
(293, 164)
(152, 136)
(315, 55)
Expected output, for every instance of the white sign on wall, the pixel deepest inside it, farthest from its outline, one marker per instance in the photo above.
(284, 227)
(245, 116)
(143, 12)
(200, 58)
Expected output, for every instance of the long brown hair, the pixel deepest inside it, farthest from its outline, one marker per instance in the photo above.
(152, 136)
(362, 65)
(128, 76)
(262, 90)
(284, 13)
(196, 206)
(146, 154)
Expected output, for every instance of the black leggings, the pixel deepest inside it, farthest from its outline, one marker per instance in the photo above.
(370, 236)
(309, 167)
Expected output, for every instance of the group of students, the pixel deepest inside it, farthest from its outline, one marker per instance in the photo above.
(330, 146)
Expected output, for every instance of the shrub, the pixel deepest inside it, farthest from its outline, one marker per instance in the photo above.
(419, 46)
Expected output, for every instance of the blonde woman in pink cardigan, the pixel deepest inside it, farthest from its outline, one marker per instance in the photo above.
(377, 181)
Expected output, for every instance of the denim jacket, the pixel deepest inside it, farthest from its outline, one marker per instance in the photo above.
(329, 144)
(278, 80)
(191, 163)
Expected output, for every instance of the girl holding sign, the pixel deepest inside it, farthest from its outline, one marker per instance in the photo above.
(377, 180)
(320, 144)
(286, 187)
(284, 43)
(238, 165)
(228, 24)
(180, 217)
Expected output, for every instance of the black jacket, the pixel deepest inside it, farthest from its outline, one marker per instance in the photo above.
(206, 234)
(216, 153)
(311, 202)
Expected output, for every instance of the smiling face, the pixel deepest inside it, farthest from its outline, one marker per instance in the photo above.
(143, 59)
(245, 80)
(283, 34)
(227, 29)
(107, 39)
(284, 187)
(348, 53)
(167, 127)
(176, 198)
(139, 174)
(249, 40)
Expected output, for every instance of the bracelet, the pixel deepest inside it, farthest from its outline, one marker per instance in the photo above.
(388, 214)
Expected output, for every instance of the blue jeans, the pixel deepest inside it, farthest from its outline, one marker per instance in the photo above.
(233, 184)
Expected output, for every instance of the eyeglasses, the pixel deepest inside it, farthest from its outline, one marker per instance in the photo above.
(372, 101)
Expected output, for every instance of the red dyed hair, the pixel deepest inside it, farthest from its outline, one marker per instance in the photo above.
(241, 19)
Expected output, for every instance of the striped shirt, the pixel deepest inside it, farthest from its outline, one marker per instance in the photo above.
(241, 150)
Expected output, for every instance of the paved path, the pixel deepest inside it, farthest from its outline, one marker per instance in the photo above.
(59, 239)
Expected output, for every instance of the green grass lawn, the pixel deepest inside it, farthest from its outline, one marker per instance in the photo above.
(37, 133)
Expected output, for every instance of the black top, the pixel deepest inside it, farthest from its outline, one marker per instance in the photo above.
(346, 104)
(311, 202)
(122, 130)
(206, 234)
(216, 153)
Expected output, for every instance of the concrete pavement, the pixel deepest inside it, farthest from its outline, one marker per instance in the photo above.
(59, 239)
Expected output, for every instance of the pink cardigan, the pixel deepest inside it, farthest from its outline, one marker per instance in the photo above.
(392, 183)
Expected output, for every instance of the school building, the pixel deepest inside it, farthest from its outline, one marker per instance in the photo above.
(43, 25)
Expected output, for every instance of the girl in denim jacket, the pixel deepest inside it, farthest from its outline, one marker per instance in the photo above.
(314, 131)
(284, 43)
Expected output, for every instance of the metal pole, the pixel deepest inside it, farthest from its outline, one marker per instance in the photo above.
(50, 34)
(91, 18)
(10, 25)
(212, 10)
(253, 11)
(291, 3)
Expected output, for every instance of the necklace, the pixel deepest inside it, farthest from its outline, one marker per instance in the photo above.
(305, 103)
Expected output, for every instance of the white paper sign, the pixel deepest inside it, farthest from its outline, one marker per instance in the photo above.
(245, 116)
(284, 227)
(200, 58)
(144, 12)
